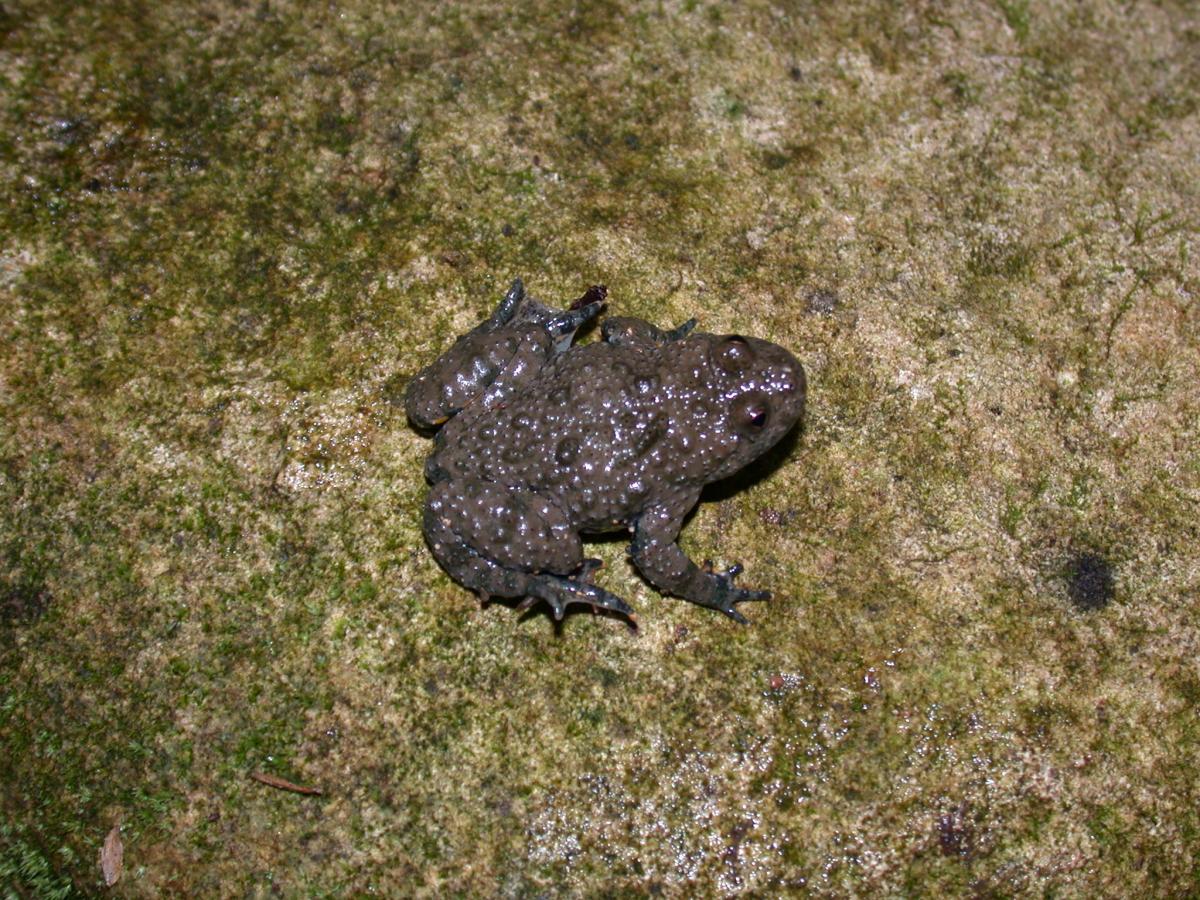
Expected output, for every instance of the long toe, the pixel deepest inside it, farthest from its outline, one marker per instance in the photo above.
(560, 592)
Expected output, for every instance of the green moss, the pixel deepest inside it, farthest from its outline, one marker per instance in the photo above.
(1016, 14)
(25, 870)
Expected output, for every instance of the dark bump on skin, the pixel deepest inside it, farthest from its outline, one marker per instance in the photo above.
(566, 452)
(1090, 581)
(647, 439)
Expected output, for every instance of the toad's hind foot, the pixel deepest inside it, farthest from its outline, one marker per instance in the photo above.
(727, 594)
(561, 592)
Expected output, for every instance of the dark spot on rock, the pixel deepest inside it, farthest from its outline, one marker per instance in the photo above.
(334, 129)
(775, 161)
(956, 834)
(68, 132)
(605, 676)
(1090, 581)
(507, 230)
(821, 302)
(771, 516)
(566, 452)
(22, 603)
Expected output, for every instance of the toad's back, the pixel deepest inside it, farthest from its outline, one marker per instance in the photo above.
(602, 430)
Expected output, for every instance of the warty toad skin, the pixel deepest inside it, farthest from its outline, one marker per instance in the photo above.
(540, 441)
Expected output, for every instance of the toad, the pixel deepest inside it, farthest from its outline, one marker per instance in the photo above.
(539, 441)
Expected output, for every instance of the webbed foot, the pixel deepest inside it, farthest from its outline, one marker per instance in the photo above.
(561, 592)
(727, 594)
(563, 325)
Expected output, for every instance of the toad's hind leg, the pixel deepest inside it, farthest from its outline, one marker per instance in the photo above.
(507, 543)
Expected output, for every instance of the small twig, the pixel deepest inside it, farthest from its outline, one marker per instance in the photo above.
(284, 785)
(273, 487)
(1123, 307)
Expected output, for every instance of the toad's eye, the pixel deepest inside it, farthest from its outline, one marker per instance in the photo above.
(733, 355)
(751, 414)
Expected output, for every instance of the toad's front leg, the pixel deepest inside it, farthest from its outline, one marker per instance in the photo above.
(668, 568)
(495, 359)
(504, 542)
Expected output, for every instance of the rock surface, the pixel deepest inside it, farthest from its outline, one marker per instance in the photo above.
(230, 233)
